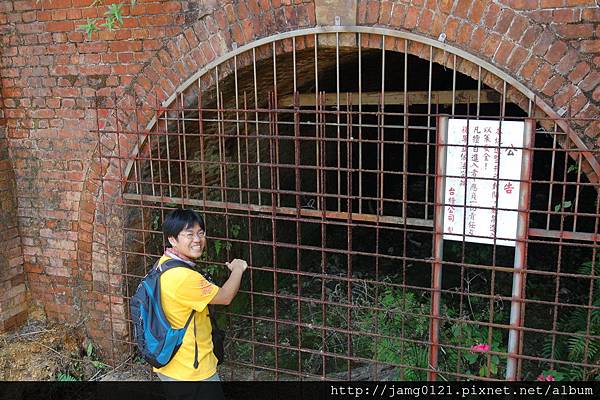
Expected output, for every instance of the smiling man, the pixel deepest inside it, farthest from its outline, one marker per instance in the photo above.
(184, 290)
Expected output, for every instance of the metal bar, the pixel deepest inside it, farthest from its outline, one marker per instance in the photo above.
(220, 134)
(554, 138)
(428, 131)
(520, 261)
(237, 127)
(478, 90)
(256, 125)
(274, 204)
(202, 146)
(168, 150)
(250, 253)
(320, 203)
(323, 192)
(453, 82)
(438, 246)
(184, 162)
(404, 199)
(532, 232)
(297, 180)
(349, 222)
(577, 190)
(337, 113)
(381, 132)
(275, 105)
(360, 126)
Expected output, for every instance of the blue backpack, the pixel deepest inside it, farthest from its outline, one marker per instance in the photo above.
(156, 340)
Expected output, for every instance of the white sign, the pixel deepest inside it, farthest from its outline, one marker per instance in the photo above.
(482, 181)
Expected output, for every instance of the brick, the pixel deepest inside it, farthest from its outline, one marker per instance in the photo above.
(542, 76)
(462, 8)
(491, 45)
(411, 18)
(523, 4)
(590, 81)
(372, 12)
(552, 86)
(551, 3)
(565, 15)
(60, 26)
(591, 14)
(568, 62)
(491, 15)
(575, 31)
(517, 58)
(545, 40)
(517, 28)
(590, 46)
(579, 72)
(504, 21)
(503, 52)
(425, 22)
(596, 94)
(556, 51)
(477, 11)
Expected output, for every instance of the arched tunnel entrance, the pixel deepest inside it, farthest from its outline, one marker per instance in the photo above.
(316, 162)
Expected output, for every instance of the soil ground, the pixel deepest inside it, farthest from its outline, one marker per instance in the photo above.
(44, 351)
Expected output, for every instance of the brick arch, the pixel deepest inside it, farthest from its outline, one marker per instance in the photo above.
(477, 28)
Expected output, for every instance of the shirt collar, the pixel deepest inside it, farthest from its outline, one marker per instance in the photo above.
(173, 253)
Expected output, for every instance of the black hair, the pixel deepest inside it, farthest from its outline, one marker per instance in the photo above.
(178, 220)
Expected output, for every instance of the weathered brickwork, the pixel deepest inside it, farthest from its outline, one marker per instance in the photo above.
(51, 74)
(13, 304)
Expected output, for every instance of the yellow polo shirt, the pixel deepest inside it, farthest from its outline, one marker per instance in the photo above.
(181, 290)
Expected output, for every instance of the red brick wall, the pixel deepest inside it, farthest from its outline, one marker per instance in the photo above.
(13, 302)
(50, 74)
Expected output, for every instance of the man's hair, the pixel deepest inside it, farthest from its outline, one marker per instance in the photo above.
(178, 220)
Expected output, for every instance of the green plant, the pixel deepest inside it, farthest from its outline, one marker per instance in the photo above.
(62, 377)
(563, 206)
(578, 347)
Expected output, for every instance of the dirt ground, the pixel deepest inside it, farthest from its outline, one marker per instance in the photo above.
(43, 351)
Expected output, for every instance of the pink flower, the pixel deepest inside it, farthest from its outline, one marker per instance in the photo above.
(480, 348)
(543, 378)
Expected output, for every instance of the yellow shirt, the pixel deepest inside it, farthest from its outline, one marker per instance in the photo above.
(181, 290)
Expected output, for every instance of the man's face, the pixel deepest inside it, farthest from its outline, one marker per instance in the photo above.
(190, 242)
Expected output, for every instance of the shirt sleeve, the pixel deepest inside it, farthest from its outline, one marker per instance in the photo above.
(196, 292)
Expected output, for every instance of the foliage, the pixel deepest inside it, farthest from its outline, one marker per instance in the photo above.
(112, 21)
(83, 365)
(576, 348)
(213, 253)
(62, 377)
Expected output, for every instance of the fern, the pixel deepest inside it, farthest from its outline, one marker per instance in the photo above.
(62, 377)
(578, 348)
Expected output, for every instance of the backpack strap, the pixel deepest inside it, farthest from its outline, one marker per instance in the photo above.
(167, 265)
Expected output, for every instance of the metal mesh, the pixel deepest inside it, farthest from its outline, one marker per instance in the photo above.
(317, 164)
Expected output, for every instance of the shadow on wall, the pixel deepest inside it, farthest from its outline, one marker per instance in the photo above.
(13, 300)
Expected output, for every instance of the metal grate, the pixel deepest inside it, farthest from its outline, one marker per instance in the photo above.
(316, 162)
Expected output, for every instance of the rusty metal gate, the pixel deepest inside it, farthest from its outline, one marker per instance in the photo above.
(312, 155)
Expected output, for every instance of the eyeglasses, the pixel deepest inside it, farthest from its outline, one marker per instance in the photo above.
(192, 235)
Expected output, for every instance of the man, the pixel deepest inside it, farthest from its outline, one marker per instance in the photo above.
(184, 290)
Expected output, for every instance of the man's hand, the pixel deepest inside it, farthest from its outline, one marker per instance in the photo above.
(228, 291)
(237, 264)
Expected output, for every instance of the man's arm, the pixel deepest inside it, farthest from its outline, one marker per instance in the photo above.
(230, 288)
